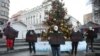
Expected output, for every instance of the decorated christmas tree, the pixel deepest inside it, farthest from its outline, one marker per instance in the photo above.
(57, 17)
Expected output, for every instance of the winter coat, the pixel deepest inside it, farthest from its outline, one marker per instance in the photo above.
(10, 33)
(1, 34)
(31, 36)
(56, 38)
(90, 35)
(76, 36)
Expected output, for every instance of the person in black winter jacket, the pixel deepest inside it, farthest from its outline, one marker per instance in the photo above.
(31, 38)
(76, 36)
(1, 34)
(90, 34)
(55, 39)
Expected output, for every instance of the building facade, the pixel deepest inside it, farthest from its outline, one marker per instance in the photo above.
(96, 10)
(16, 16)
(4, 11)
(88, 17)
(36, 16)
(21, 28)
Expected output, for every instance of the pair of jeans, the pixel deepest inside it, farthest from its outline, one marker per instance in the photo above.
(55, 50)
(74, 46)
(32, 44)
(91, 45)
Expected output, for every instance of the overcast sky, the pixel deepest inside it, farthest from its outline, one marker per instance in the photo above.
(76, 8)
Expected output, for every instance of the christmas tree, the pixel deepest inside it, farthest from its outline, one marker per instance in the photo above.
(57, 17)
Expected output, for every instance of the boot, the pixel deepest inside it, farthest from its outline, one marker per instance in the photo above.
(8, 49)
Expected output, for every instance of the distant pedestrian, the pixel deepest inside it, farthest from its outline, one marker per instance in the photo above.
(1, 34)
(56, 38)
(90, 34)
(31, 38)
(75, 37)
(10, 34)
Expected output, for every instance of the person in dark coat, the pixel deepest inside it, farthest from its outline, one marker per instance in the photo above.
(90, 34)
(75, 37)
(1, 34)
(10, 34)
(31, 38)
(55, 39)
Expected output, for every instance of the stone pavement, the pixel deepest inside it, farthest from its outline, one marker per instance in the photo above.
(26, 53)
(19, 45)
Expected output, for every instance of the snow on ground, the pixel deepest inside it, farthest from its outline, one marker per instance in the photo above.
(44, 46)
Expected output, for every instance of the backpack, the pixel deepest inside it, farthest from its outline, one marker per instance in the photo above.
(31, 36)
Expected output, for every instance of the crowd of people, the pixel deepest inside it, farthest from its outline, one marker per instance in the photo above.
(55, 38)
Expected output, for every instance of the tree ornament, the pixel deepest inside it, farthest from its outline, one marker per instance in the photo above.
(54, 19)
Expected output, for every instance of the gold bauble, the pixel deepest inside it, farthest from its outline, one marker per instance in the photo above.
(62, 24)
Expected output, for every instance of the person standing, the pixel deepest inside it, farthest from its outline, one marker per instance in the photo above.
(31, 38)
(10, 34)
(90, 35)
(56, 38)
(1, 34)
(75, 37)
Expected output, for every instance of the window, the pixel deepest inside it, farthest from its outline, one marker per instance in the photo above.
(1, 23)
(5, 13)
(2, 13)
(96, 21)
(46, 7)
(37, 15)
(34, 21)
(31, 20)
(31, 17)
(37, 21)
(6, 5)
(9, 1)
(40, 16)
(26, 18)
(2, 4)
